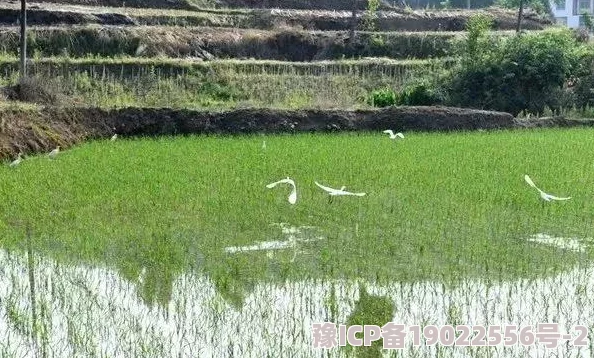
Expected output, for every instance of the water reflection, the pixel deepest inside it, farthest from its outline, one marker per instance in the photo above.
(293, 235)
(566, 243)
(84, 311)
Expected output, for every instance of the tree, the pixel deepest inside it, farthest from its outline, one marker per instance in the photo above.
(542, 7)
(353, 22)
(520, 13)
(23, 39)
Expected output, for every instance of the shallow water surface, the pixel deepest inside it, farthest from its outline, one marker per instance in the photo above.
(84, 311)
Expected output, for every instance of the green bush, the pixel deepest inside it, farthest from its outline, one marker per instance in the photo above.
(418, 95)
(522, 73)
(382, 98)
(582, 91)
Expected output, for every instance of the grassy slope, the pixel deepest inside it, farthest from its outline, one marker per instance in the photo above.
(187, 84)
(438, 206)
(207, 43)
(436, 20)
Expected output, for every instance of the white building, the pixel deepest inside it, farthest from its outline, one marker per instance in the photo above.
(568, 12)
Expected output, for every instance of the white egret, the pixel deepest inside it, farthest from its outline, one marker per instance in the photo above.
(54, 152)
(114, 137)
(336, 192)
(293, 195)
(545, 196)
(17, 161)
(392, 135)
(264, 144)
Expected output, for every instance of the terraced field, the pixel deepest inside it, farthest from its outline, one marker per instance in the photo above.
(166, 241)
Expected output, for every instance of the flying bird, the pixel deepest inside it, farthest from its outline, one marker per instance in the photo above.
(545, 196)
(293, 195)
(17, 161)
(392, 135)
(54, 152)
(336, 192)
(114, 137)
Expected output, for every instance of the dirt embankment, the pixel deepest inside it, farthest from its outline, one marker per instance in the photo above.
(41, 14)
(298, 4)
(155, 4)
(418, 20)
(34, 130)
(193, 4)
(36, 17)
(213, 43)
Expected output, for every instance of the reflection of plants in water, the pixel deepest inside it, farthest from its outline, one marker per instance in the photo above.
(163, 258)
(157, 263)
(91, 311)
(231, 283)
(370, 310)
(332, 304)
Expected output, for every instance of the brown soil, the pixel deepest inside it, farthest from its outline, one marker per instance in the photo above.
(451, 20)
(35, 130)
(51, 17)
(296, 4)
(221, 43)
(418, 20)
(156, 4)
(185, 4)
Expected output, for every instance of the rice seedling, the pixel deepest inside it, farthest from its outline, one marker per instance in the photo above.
(462, 194)
(96, 312)
(139, 231)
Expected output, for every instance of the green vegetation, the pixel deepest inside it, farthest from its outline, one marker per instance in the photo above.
(382, 98)
(542, 7)
(448, 206)
(527, 73)
(370, 16)
(149, 41)
(441, 210)
(219, 84)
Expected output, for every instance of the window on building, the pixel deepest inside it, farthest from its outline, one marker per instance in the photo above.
(561, 6)
(561, 20)
(584, 5)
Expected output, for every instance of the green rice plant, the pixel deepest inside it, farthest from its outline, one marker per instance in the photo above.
(438, 206)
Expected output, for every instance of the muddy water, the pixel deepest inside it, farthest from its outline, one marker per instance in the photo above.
(91, 310)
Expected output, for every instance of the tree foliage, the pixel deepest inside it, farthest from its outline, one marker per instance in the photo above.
(526, 72)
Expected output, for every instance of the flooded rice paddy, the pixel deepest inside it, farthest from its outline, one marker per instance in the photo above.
(153, 248)
(84, 311)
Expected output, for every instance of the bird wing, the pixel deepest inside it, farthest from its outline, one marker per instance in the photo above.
(529, 181)
(557, 198)
(330, 190)
(293, 196)
(272, 185)
(356, 194)
(282, 181)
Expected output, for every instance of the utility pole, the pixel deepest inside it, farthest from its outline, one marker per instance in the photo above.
(520, 13)
(353, 23)
(23, 39)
